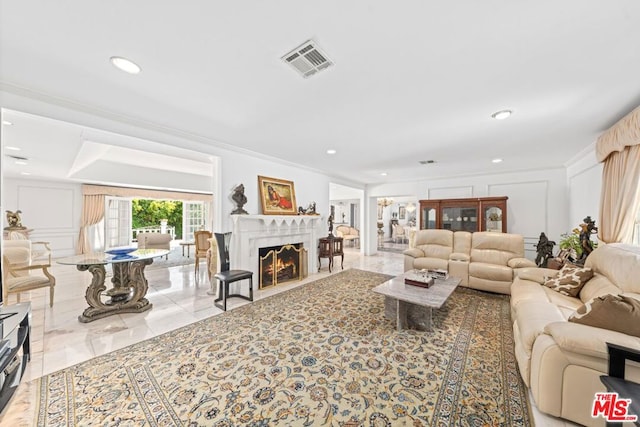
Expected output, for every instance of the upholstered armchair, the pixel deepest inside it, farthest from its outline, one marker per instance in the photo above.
(399, 234)
(38, 251)
(20, 273)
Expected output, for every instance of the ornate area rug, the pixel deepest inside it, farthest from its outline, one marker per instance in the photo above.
(321, 354)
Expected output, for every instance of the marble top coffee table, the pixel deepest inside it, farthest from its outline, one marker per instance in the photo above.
(410, 306)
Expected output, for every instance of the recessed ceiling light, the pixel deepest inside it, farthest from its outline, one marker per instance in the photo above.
(20, 162)
(331, 151)
(496, 160)
(125, 65)
(11, 148)
(383, 174)
(502, 114)
(25, 173)
(427, 162)
(7, 123)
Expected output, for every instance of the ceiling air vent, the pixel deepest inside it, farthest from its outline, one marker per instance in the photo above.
(307, 59)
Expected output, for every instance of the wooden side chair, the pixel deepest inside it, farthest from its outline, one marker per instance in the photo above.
(202, 245)
(17, 277)
(226, 276)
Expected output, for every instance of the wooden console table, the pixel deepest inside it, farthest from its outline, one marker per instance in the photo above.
(330, 247)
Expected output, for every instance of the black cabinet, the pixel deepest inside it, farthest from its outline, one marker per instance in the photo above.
(15, 349)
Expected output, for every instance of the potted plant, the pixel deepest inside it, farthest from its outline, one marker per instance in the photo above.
(570, 242)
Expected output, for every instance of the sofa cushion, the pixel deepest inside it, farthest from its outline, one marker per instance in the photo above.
(500, 273)
(619, 313)
(619, 262)
(431, 263)
(570, 280)
(598, 286)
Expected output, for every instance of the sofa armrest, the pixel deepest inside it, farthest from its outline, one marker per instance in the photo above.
(414, 253)
(458, 256)
(588, 340)
(520, 263)
(538, 275)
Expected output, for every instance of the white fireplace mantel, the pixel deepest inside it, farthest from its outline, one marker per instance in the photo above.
(252, 232)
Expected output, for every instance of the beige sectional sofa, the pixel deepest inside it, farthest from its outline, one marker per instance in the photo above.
(483, 260)
(561, 361)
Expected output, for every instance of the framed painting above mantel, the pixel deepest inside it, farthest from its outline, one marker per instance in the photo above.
(472, 214)
(277, 196)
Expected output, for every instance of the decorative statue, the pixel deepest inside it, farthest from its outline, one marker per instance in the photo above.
(240, 199)
(311, 210)
(587, 228)
(14, 220)
(330, 222)
(545, 250)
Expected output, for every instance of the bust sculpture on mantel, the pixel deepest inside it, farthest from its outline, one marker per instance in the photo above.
(240, 199)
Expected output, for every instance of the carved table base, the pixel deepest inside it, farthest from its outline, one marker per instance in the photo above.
(126, 296)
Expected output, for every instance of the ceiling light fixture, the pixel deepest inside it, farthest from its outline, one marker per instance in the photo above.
(383, 174)
(21, 162)
(25, 173)
(331, 151)
(496, 160)
(125, 65)
(7, 123)
(502, 114)
(11, 148)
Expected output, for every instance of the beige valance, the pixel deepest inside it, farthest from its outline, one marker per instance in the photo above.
(625, 133)
(144, 193)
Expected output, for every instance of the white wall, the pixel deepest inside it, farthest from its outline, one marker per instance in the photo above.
(584, 176)
(52, 209)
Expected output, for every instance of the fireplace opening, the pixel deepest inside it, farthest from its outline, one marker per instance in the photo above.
(281, 264)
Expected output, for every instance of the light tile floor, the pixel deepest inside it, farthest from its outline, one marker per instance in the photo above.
(59, 340)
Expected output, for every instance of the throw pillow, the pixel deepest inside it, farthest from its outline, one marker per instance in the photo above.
(570, 279)
(618, 313)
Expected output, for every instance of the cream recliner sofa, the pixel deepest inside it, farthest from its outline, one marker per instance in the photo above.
(562, 361)
(482, 260)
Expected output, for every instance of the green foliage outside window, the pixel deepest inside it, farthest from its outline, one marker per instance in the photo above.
(149, 213)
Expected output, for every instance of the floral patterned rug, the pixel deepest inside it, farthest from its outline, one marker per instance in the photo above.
(321, 354)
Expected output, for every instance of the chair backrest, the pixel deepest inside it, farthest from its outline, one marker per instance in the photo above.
(202, 240)
(223, 239)
(18, 256)
(212, 257)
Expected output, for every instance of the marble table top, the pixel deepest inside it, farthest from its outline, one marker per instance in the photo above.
(434, 296)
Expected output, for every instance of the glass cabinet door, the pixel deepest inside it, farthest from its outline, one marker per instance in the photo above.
(428, 218)
(460, 219)
(493, 218)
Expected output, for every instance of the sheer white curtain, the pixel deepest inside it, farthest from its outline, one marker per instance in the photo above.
(619, 149)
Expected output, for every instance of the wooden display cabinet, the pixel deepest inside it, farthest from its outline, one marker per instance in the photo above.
(473, 214)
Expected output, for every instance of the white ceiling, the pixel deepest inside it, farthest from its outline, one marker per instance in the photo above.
(412, 80)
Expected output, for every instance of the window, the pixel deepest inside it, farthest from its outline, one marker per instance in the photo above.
(117, 222)
(196, 217)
